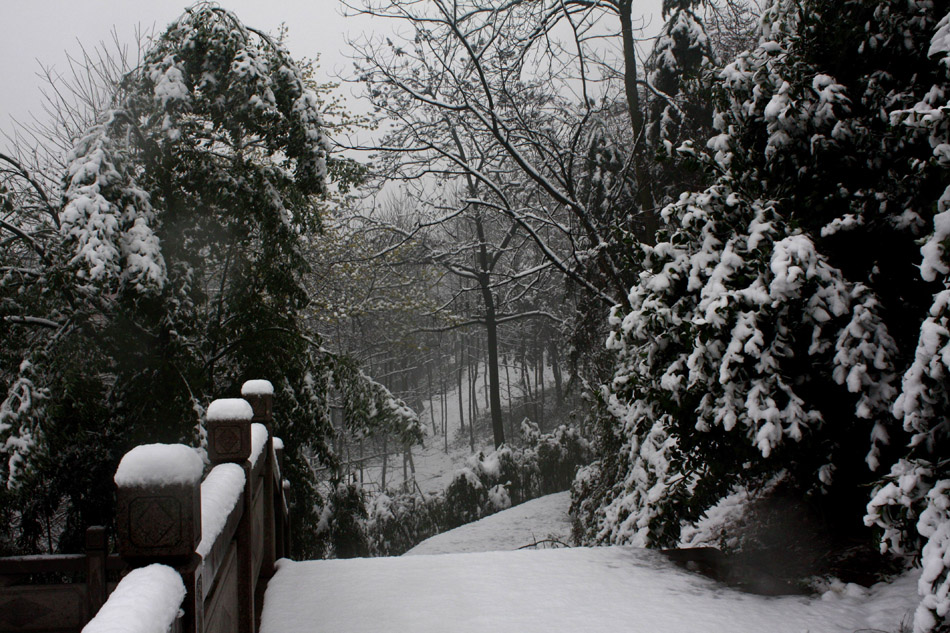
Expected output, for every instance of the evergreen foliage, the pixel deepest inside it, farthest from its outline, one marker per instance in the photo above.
(172, 272)
(773, 321)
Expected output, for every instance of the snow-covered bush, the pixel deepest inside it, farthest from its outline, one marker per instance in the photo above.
(341, 529)
(509, 476)
(728, 313)
(553, 459)
(774, 317)
(465, 498)
(399, 521)
(912, 504)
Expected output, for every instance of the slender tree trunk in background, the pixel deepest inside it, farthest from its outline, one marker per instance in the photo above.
(486, 385)
(405, 468)
(471, 434)
(472, 396)
(444, 402)
(472, 381)
(461, 397)
(382, 484)
(631, 88)
(556, 370)
(540, 382)
(537, 395)
(435, 427)
(526, 381)
(337, 417)
(511, 417)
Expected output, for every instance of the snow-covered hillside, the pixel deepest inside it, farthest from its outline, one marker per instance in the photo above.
(531, 522)
(434, 465)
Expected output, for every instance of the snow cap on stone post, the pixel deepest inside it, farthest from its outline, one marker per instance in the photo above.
(260, 394)
(229, 430)
(158, 513)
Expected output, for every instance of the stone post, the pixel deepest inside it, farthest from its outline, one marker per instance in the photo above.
(96, 552)
(281, 546)
(260, 394)
(158, 516)
(229, 430)
(229, 440)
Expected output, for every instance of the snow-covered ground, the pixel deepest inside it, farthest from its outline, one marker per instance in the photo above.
(545, 590)
(549, 590)
(525, 524)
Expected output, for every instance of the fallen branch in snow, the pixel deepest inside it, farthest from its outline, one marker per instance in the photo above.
(552, 543)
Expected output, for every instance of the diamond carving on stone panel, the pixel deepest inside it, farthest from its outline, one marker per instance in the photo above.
(155, 521)
(227, 440)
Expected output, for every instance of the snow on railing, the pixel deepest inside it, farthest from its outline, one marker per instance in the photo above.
(219, 536)
(147, 600)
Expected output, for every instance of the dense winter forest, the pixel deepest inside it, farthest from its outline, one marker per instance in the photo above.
(703, 282)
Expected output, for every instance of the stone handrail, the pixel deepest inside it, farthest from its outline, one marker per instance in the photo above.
(26, 605)
(240, 505)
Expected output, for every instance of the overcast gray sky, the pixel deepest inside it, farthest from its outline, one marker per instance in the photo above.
(44, 31)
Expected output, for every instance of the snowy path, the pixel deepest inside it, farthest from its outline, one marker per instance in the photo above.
(524, 524)
(603, 589)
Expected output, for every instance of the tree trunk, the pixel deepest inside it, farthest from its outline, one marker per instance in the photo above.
(461, 397)
(435, 427)
(540, 382)
(526, 381)
(405, 468)
(472, 389)
(382, 484)
(556, 369)
(644, 194)
(511, 416)
(444, 401)
(491, 328)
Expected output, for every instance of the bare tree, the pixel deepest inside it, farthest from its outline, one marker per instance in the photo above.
(529, 109)
(496, 268)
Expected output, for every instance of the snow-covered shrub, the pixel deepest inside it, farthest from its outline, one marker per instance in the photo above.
(499, 498)
(399, 521)
(545, 464)
(726, 524)
(465, 498)
(729, 312)
(774, 317)
(341, 530)
(555, 458)
(504, 466)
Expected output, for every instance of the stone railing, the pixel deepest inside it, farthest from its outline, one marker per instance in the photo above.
(196, 553)
(28, 605)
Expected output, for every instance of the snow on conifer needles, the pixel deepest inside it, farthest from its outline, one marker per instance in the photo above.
(769, 328)
(171, 267)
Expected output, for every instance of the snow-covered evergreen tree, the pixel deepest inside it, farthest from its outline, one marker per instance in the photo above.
(773, 320)
(913, 503)
(177, 268)
(677, 94)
